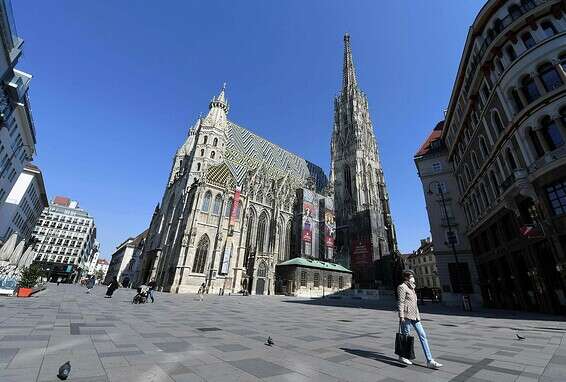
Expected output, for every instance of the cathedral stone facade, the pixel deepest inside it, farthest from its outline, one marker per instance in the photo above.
(365, 230)
(229, 212)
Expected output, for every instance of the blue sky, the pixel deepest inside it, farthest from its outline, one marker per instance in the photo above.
(118, 83)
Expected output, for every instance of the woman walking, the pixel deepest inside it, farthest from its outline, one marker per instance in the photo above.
(113, 286)
(409, 316)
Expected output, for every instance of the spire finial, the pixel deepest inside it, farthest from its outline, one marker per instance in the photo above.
(349, 72)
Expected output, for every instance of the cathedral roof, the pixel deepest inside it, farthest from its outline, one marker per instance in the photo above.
(219, 174)
(247, 151)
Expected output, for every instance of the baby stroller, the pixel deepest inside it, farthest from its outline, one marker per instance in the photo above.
(141, 296)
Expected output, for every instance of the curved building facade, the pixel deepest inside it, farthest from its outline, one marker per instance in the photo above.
(505, 132)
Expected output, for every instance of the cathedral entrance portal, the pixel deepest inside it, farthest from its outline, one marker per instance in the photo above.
(260, 286)
(261, 276)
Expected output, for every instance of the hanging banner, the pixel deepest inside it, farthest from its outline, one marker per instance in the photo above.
(225, 267)
(235, 204)
(307, 232)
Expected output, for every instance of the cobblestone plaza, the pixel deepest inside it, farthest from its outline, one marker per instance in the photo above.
(180, 338)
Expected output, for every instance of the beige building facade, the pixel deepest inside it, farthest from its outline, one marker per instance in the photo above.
(505, 131)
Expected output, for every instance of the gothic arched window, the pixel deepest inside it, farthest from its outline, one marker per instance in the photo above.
(212, 155)
(200, 255)
(262, 270)
(249, 238)
(201, 152)
(348, 179)
(475, 161)
(205, 139)
(515, 11)
(198, 166)
(217, 205)
(288, 242)
(228, 209)
(215, 142)
(261, 230)
(206, 201)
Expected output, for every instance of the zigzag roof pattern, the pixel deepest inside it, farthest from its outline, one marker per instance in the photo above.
(246, 150)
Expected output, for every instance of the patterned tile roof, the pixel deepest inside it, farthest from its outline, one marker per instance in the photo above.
(246, 150)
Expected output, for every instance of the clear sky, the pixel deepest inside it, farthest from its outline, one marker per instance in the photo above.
(118, 83)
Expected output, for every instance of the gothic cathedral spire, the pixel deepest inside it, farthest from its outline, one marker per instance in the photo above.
(349, 80)
(360, 194)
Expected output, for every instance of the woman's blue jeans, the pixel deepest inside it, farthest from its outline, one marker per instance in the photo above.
(406, 329)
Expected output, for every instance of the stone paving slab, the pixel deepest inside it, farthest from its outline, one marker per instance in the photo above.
(222, 338)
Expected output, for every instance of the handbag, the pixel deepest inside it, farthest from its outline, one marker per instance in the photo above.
(404, 345)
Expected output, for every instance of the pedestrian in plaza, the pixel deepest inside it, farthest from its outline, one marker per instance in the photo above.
(112, 287)
(90, 284)
(409, 316)
(152, 285)
(200, 292)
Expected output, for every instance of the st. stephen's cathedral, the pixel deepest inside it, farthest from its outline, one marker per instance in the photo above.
(238, 208)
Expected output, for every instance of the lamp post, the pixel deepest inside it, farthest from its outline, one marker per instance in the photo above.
(9, 162)
(451, 241)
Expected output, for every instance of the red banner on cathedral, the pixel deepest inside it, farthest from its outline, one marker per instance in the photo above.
(235, 204)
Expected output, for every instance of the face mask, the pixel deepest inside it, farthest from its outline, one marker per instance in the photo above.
(412, 282)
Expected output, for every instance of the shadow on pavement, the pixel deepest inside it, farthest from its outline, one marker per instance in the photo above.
(427, 308)
(376, 356)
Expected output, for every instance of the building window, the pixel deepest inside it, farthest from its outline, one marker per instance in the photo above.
(198, 166)
(499, 65)
(528, 4)
(468, 174)
(436, 167)
(517, 103)
(212, 155)
(200, 255)
(511, 55)
(514, 11)
(483, 148)
(340, 282)
(217, 205)
(548, 28)
(316, 280)
(533, 137)
(329, 281)
(206, 201)
(530, 89)
(551, 134)
(205, 139)
(348, 179)
(557, 197)
(262, 270)
(215, 142)
(261, 229)
(510, 160)
(528, 40)
(201, 152)
(452, 237)
(549, 76)
(475, 161)
(563, 61)
(497, 122)
(303, 279)
(228, 207)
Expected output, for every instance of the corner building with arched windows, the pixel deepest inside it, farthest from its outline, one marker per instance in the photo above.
(505, 131)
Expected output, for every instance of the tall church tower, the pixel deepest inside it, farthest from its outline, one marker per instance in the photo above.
(365, 230)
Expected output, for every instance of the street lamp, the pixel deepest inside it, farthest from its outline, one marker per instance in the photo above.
(451, 235)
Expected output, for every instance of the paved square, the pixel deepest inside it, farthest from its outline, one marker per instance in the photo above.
(223, 339)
